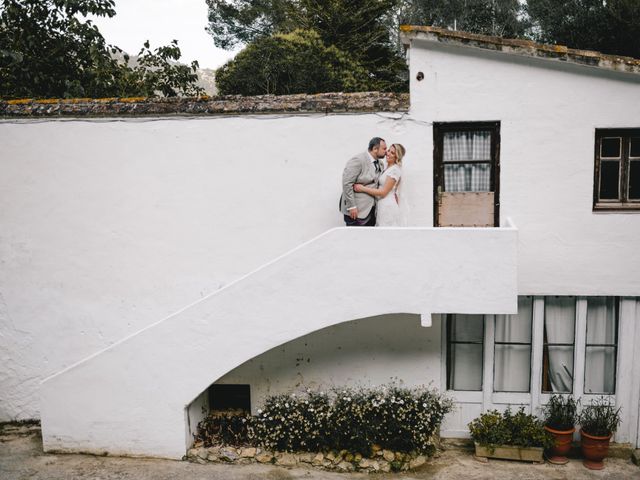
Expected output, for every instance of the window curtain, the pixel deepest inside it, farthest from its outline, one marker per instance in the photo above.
(467, 147)
(559, 334)
(512, 364)
(465, 368)
(600, 361)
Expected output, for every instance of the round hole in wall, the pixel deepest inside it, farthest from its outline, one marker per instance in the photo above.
(420, 76)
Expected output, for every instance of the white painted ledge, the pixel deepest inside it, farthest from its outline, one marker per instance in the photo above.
(130, 399)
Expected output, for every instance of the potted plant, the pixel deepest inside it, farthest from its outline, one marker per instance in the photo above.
(560, 417)
(598, 423)
(512, 436)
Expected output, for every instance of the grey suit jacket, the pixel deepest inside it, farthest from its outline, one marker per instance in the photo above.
(358, 170)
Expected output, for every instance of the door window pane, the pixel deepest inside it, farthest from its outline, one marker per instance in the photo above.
(466, 367)
(466, 146)
(559, 335)
(516, 328)
(601, 347)
(609, 179)
(512, 353)
(512, 368)
(465, 336)
(467, 177)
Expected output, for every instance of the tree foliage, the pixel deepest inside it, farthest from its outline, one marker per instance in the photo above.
(49, 49)
(611, 26)
(501, 18)
(358, 29)
(297, 62)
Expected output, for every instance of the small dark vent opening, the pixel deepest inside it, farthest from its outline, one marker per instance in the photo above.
(229, 397)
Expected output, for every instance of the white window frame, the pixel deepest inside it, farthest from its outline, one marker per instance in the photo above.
(627, 393)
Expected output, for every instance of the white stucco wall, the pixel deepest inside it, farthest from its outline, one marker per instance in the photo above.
(549, 111)
(364, 352)
(130, 398)
(108, 226)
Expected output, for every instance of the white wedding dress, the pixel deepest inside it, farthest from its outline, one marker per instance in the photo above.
(388, 213)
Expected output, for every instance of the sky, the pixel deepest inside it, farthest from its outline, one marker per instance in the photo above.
(161, 21)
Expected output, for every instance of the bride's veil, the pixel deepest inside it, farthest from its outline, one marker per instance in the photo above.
(403, 202)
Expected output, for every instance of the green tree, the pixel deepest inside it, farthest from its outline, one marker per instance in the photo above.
(611, 26)
(49, 49)
(297, 62)
(500, 18)
(358, 28)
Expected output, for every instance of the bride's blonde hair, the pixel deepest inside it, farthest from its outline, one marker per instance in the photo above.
(400, 152)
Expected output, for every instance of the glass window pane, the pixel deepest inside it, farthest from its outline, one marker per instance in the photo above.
(600, 370)
(557, 369)
(465, 370)
(601, 320)
(559, 319)
(609, 179)
(634, 179)
(466, 146)
(466, 328)
(634, 147)
(610, 147)
(467, 177)
(512, 367)
(516, 328)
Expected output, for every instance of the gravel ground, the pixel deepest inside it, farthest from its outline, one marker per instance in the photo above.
(21, 457)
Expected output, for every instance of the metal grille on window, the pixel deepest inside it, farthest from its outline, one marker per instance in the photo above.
(467, 161)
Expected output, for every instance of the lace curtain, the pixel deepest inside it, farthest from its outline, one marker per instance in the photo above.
(467, 147)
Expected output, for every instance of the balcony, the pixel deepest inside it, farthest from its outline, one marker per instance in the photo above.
(131, 398)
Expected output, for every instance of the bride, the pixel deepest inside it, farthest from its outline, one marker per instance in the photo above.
(387, 208)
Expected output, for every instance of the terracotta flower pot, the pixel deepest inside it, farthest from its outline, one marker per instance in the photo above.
(594, 449)
(562, 445)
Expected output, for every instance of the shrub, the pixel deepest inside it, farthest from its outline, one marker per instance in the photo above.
(225, 428)
(294, 422)
(601, 418)
(355, 419)
(394, 418)
(520, 429)
(561, 413)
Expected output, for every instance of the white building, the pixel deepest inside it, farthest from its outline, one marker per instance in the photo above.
(117, 236)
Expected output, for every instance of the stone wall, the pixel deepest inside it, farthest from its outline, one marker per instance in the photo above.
(381, 461)
(236, 104)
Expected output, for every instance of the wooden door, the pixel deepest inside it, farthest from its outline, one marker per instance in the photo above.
(466, 174)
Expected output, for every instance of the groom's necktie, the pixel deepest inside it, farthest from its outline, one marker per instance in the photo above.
(377, 165)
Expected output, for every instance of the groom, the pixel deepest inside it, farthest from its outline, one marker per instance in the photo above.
(359, 209)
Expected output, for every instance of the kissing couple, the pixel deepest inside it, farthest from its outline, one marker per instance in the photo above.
(370, 195)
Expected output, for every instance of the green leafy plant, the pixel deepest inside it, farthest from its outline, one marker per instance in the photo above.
(52, 49)
(354, 419)
(225, 428)
(561, 413)
(520, 429)
(297, 62)
(601, 418)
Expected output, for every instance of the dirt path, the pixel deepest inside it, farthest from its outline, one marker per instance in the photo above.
(21, 457)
